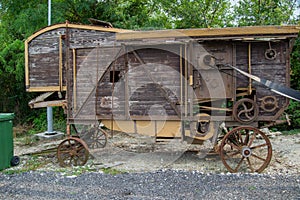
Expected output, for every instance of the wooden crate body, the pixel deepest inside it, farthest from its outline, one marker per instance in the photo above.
(160, 83)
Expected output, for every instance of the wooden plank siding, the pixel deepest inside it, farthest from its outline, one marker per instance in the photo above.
(140, 74)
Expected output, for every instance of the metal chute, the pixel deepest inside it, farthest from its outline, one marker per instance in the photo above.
(275, 87)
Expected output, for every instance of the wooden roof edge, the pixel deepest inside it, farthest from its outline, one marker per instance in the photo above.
(212, 32)
(71, 25)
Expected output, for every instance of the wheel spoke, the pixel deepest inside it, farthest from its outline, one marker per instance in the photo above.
(246, 139)
(256, 156)
(76, 160)
(239, 164)
(250, 165)
(80, 148)
(240, 137)
(252, 139)
(233, 145)
(64, 151)
(231, 154)
(259, 146)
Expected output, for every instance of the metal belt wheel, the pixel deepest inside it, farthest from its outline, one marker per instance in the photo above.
(95, 138)
(245, 110)
(72, 152)
(269, 103)
(245, 149)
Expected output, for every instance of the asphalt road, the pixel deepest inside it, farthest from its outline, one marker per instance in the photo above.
(163, 184)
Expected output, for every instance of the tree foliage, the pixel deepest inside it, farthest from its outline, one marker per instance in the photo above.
(264, 12)
(198, 13)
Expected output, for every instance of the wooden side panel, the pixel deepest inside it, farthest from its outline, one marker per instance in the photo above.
(146, 83)
(47, 59)
(276, 70)
(43, 61)
(209, 81)
(91, 66)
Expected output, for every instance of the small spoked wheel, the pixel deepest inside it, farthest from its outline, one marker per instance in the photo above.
(72, 152)
(245, 149)
(95, 138)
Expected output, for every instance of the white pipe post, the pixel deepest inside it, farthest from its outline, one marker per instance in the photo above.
(49, 108)
(49, 12)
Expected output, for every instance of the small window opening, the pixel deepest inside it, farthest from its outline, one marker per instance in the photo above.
(114, 76)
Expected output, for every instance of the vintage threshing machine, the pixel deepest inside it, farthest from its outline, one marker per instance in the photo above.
(189, 84)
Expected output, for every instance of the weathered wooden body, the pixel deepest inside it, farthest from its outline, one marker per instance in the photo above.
(169, 83)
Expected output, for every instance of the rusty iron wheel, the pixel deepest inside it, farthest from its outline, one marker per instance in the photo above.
(245, 149)
(72, 152)
(95, 138)
(269, 103)
(245, 111)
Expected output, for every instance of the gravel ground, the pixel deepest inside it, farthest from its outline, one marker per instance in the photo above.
(151, 171)
(169, 184)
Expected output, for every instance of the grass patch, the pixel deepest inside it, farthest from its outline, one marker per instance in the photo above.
(112, 171)
(32, 164)
(291, 132)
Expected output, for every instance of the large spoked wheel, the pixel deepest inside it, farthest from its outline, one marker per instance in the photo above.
(72, 152)
(95, 138)
(245, 149)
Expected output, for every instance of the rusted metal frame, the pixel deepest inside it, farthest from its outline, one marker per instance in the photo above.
(112, 100)
(172, 118)
(68, 75)
(190, 75)
(74, 80)
(153, 80)
(96, 85)
(126, 87)
(155, 130)
(214, 108)
(181, 90)
(185, 81)
(60, 62)
(234, 72)
(181, 77)
(100, 80)
(249, 69)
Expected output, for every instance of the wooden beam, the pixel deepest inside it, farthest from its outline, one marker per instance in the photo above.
(79, 26)
(44, 104)
(258, 31)
(45, 89)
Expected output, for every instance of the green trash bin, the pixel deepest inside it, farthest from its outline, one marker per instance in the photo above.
(7, 157)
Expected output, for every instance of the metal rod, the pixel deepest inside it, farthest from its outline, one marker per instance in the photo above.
(185, 80)
(249, 68)
(50, 119)
(49, 109)
(74, 81)
(60, 62)
(49, 12)
(181, 77)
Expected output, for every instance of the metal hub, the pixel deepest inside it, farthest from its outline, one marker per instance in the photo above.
(246, 152)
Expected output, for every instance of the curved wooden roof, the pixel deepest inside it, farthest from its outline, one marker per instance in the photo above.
(79, 26)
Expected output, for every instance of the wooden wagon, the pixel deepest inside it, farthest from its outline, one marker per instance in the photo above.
(190, 84)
